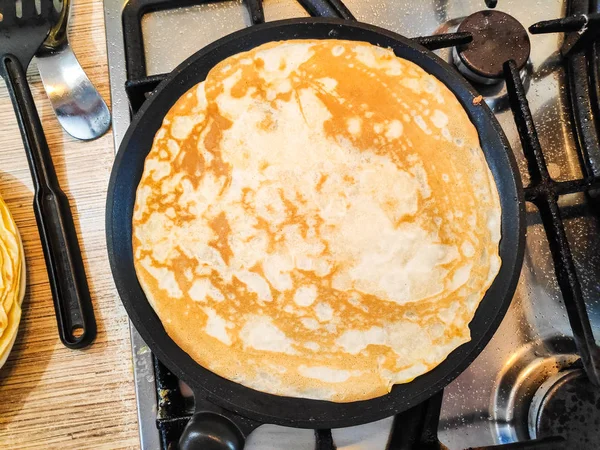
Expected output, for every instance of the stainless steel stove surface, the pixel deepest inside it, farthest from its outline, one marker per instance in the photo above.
(490, 402)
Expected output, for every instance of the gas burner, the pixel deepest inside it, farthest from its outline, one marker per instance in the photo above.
(497, 37)
(530, 367)
(568, 405)
(493, 90)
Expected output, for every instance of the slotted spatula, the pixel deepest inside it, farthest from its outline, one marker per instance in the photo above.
(23, 28)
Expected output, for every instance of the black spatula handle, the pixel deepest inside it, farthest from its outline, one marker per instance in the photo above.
(72, 302)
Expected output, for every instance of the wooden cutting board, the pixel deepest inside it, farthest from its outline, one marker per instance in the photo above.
(53, 397)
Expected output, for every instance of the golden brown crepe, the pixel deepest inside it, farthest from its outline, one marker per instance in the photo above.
(12, 279)
(317, 220)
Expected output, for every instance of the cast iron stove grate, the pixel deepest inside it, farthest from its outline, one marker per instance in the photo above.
(417, 427)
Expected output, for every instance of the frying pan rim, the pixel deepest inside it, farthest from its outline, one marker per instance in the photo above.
(212, 385)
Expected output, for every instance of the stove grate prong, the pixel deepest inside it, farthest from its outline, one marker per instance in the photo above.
(579, 23)
(437, 41)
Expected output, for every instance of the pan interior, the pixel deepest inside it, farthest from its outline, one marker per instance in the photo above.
(293, 411)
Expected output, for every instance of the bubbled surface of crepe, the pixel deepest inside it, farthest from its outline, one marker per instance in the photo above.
(317, 220)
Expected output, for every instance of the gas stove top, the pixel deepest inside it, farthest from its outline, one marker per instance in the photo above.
(532, 381)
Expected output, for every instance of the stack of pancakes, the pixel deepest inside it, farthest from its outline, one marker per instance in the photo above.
(317, 219)
(12, 281)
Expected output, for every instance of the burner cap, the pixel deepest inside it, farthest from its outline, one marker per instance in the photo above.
(497, 37)
(567, 405)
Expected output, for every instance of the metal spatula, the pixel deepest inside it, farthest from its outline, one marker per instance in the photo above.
(79, 107)
(22, 31)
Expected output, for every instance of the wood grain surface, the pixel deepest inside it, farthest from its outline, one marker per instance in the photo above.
(53, 397)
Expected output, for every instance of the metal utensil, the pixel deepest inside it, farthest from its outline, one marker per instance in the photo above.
(78, 106)
(21, 34)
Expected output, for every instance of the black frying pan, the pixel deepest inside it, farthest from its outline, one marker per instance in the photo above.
(265, 408)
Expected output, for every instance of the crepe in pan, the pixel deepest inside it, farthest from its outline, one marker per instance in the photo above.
(317, 219)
